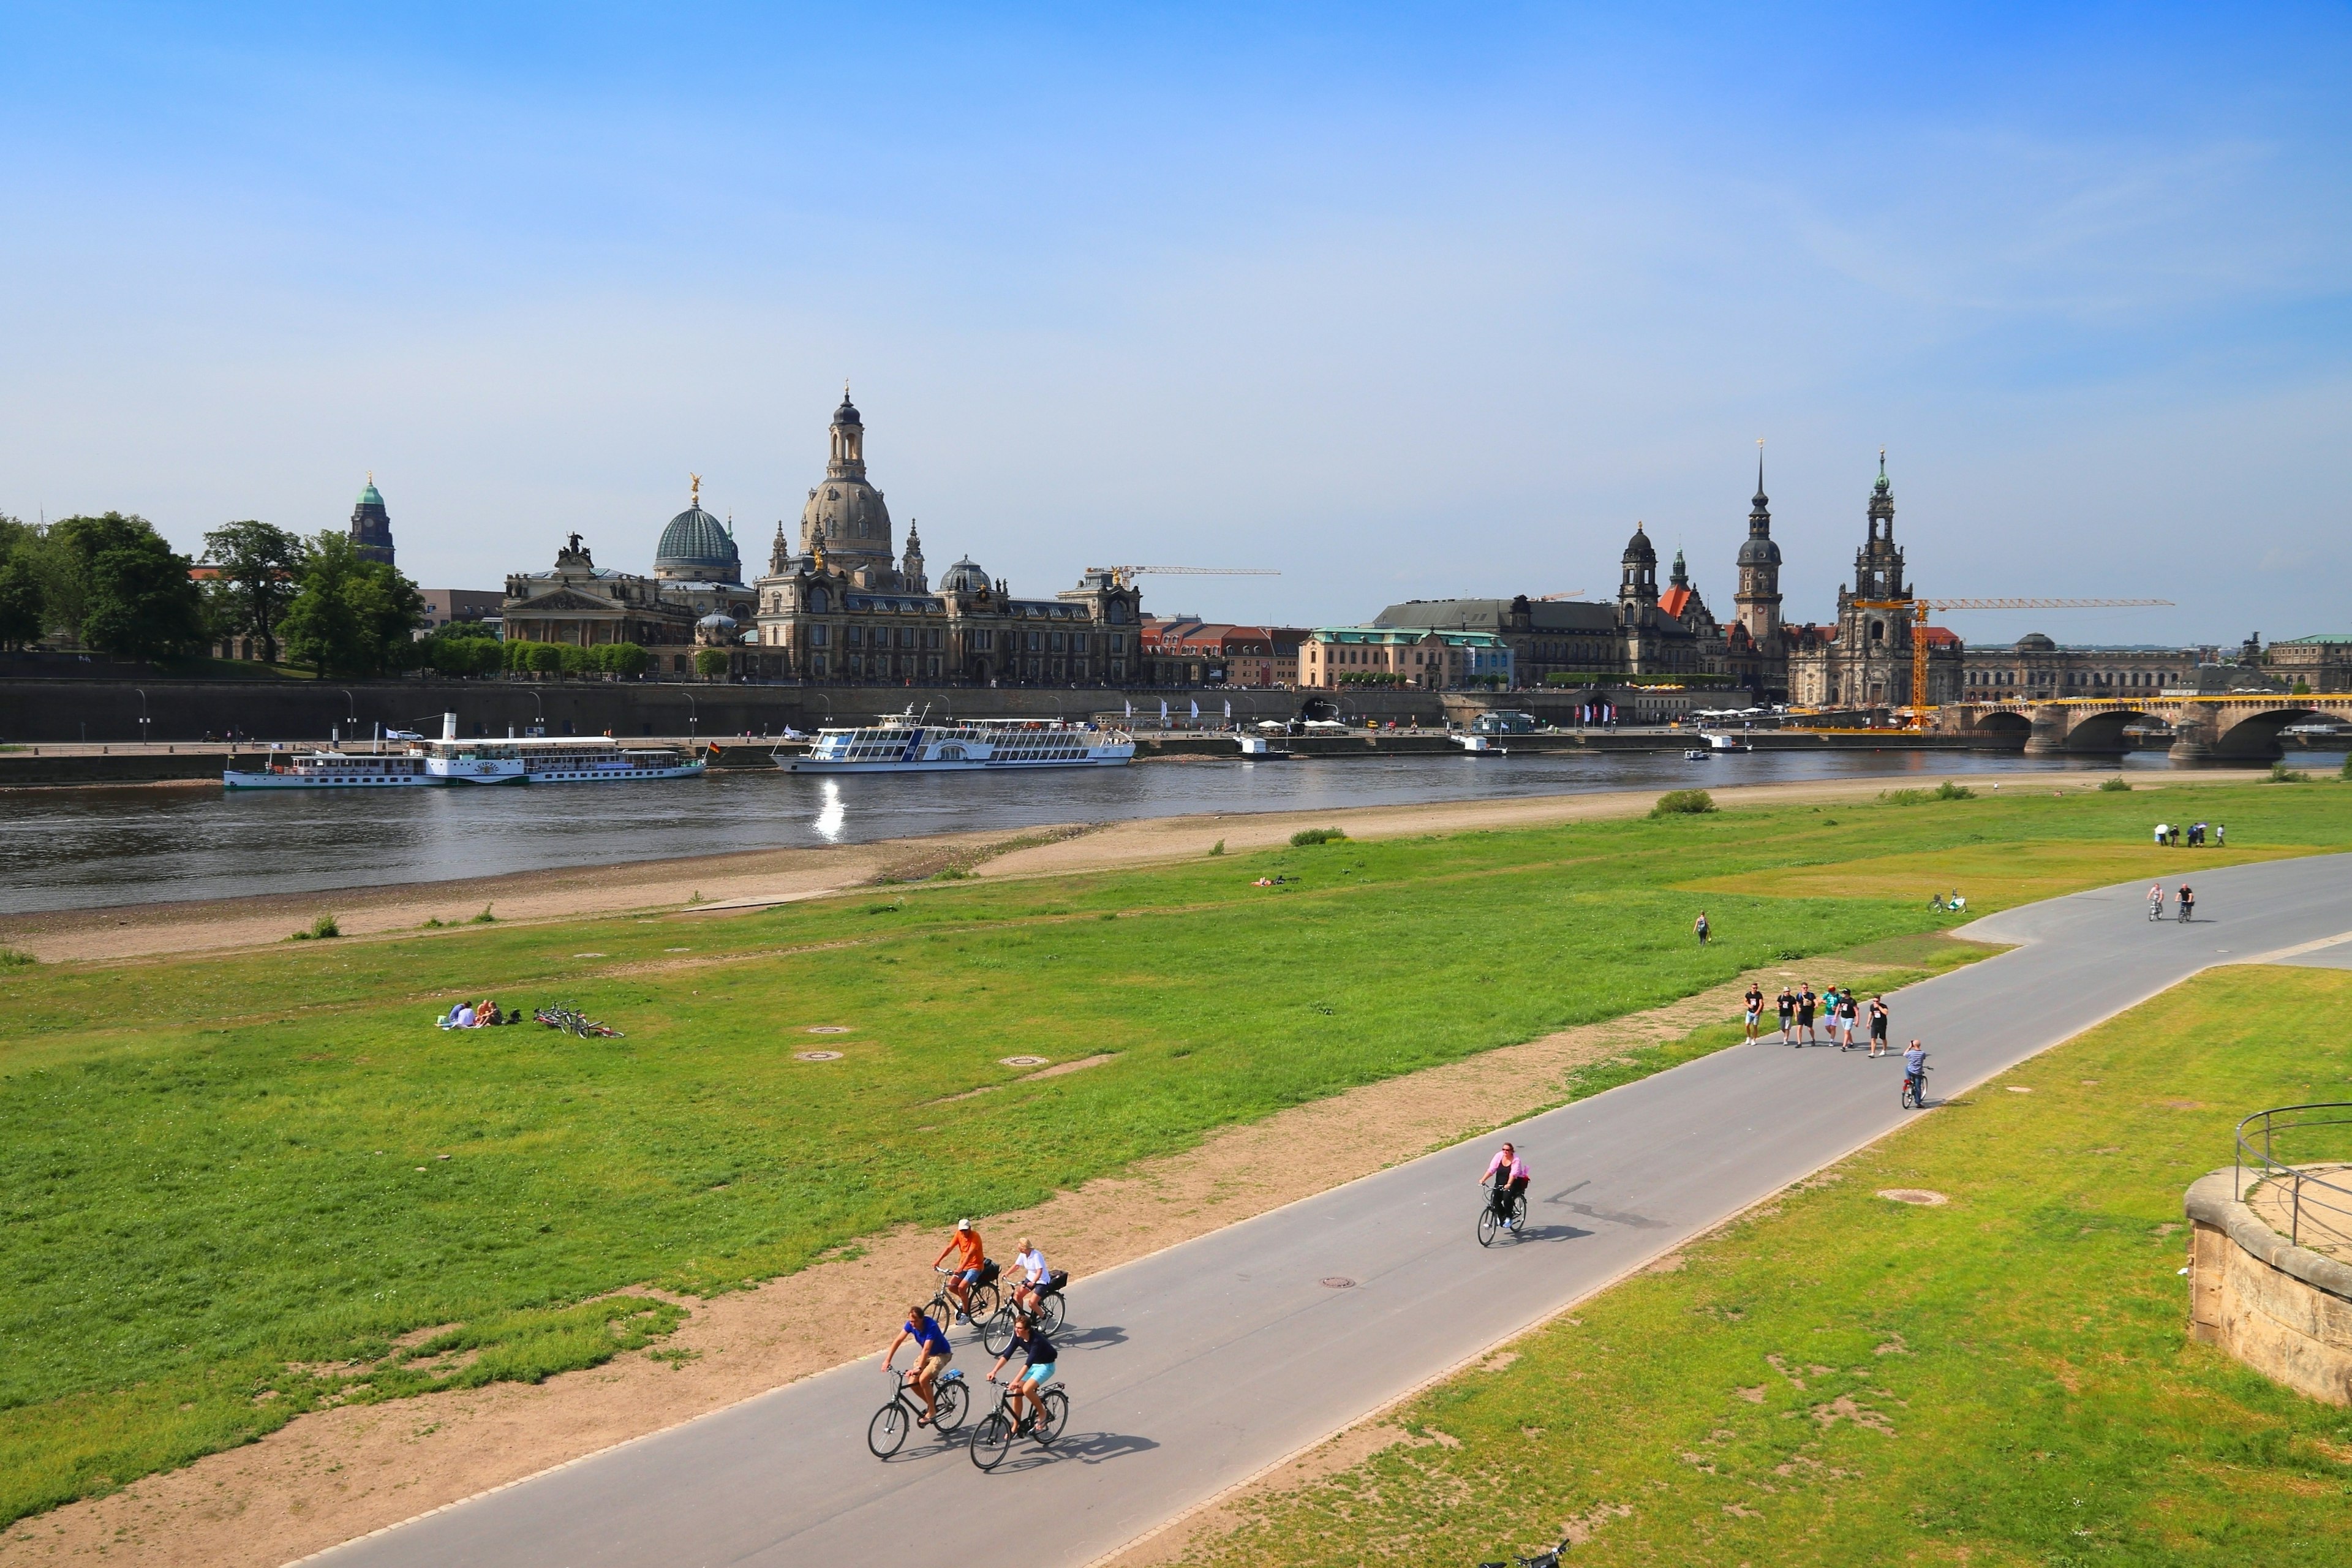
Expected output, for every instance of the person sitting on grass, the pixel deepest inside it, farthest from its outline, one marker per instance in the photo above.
(487, 1015)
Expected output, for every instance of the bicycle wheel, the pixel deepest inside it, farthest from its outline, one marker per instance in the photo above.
(1057, 1416)
(888, 1431)
(1487, 1225)
(1049, 1313)
(985, 1303)
(1519, 1215)
(949, 1395)
(996, 1334)
(992, 1439)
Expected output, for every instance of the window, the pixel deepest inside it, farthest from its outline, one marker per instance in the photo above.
(857, 637)
(816, 639)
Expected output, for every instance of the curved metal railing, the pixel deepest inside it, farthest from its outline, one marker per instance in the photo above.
(2263, 1149)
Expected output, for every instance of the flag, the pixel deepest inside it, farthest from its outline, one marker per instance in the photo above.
(1196, 708)
(1229, 707)
(1163, 712)
(1130, 707)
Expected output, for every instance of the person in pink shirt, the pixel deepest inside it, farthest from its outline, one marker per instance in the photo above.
(1509, 1174)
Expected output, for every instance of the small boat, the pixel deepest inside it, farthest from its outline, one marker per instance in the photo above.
(1727, 744)
(905, 743)
(1257, 748)
(1697, 755)
(1478, 745)
(328, 769)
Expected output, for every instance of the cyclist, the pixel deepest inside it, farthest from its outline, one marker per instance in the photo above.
(2156, 902)
(1915, 1072)
(1038, 1369)
(2188, 903)
(1510, 1173)
(931, 1357)
(1030, 1277)
(970, 1259)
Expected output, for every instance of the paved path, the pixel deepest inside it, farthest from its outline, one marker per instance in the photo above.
(1191, 1370)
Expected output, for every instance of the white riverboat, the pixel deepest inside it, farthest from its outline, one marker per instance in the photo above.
(903, 743)
(585, 760)
(325, 769)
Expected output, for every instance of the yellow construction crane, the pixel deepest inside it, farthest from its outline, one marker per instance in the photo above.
(1921, 607)
(1548, 598)
(1120, 575)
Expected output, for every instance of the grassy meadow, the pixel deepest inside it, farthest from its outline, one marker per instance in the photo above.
(1840, 1379)
(241, 1184)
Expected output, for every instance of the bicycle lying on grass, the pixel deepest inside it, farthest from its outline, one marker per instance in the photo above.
(994, 1437)
(887, 1433)
(566, 1016)
(1540, 1560)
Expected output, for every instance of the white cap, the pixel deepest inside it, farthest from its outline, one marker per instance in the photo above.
(963, 1225)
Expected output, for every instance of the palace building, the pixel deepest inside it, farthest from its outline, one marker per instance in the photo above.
(697, 577)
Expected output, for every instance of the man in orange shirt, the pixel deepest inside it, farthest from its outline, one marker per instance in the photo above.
(970, 1259)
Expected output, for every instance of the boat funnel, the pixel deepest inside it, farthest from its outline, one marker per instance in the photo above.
(448, 726)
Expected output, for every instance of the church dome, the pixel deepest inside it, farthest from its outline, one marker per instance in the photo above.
(1638, 548)
(1755, 552)
(696, 548)
(964, 577)
(2036, 642)
(847, 413)
(849, 515)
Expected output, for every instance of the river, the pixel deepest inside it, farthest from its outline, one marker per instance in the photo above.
(89, 848)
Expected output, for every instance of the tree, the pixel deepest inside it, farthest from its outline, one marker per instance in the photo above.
(353, 616)
(21, 624)
(625, 659)
(261, 569)
(124, 590)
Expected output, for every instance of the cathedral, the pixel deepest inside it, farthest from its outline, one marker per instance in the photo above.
(840, 604)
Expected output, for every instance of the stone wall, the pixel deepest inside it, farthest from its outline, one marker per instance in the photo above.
(2282, 1309)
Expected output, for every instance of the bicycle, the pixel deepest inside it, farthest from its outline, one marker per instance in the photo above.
(1495, 1213)
(1915, 1090)
(996, 1333)
(982, 1297)
(994, 1437)
(1540, 1560)
(887, 1433)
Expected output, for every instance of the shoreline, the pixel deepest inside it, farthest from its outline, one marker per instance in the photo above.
(755, 878)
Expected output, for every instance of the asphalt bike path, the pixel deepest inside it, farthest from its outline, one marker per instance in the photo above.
(1195, 1368)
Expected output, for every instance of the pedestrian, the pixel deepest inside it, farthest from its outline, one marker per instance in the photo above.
(2221, 835)
(1806, 1004)
(1788, 1006)
(2160, 835)
(1755, 1000)
(1845, 1013)
(1700, 927)
(1879, 1015)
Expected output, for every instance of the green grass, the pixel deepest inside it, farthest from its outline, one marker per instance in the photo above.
(1840, 1379)
(215, 1162)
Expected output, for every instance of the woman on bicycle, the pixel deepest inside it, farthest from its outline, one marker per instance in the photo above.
(1510, 1173)
(1036, 1372)
(931, 1357)
(2156, 902)
(1030, 1277)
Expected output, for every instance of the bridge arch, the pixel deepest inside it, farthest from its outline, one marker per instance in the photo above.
(2254, 736)
(2104, 731)
(2003, 725)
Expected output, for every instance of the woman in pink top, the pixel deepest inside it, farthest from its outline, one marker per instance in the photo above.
(1510, 1173)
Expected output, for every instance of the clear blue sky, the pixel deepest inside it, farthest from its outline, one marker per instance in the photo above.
(1406, 301)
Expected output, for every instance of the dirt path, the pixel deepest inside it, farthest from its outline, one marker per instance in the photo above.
(330, 1477)
(754, 879)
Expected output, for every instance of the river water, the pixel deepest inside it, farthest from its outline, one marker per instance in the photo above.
(88, 848)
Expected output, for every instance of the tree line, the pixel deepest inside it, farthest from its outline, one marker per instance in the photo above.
(112, 584)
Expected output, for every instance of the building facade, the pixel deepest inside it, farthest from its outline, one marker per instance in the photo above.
(577, 602)
(1333, 656)
(1864, 659)
(844, 605)
(2323, 663)
(2035, 668)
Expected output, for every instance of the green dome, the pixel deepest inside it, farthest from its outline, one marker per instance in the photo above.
(696, 547)
(371, 496)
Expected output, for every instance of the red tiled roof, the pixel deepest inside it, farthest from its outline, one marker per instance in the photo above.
(1942, 637)
(1673, 601)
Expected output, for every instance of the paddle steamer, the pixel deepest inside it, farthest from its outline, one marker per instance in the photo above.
(332, 769)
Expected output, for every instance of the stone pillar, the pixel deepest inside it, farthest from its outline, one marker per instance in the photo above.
(2049, 735)
(2195, 737)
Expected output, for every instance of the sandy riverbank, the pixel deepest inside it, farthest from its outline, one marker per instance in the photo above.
(752, 879)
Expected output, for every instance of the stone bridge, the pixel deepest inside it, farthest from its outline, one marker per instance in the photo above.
(2243, 727)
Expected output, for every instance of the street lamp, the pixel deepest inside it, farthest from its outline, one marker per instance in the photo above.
(143, 715)
(693, 715)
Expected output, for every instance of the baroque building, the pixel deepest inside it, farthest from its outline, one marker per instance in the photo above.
(846, 605)
(1864, 659)
(695, 579)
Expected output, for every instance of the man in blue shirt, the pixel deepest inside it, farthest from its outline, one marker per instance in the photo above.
(931, 1357)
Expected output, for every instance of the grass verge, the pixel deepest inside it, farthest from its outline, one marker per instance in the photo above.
(228, 1172)
(1836, 1378)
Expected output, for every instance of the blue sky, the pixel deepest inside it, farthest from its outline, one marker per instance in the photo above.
(1401, 301)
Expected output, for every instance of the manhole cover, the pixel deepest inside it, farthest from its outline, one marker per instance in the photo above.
(1920, 1195)
(1024, 1061)
(1339, 1282)
(828, 1028)
(816, 1056)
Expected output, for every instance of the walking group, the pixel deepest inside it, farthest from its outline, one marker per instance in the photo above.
(1839, 1010)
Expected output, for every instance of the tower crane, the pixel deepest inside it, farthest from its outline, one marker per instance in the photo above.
(1921, 607)
(1120, 575)
(1551, 598)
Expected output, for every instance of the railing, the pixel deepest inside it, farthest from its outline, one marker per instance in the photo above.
(2258, 1139)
